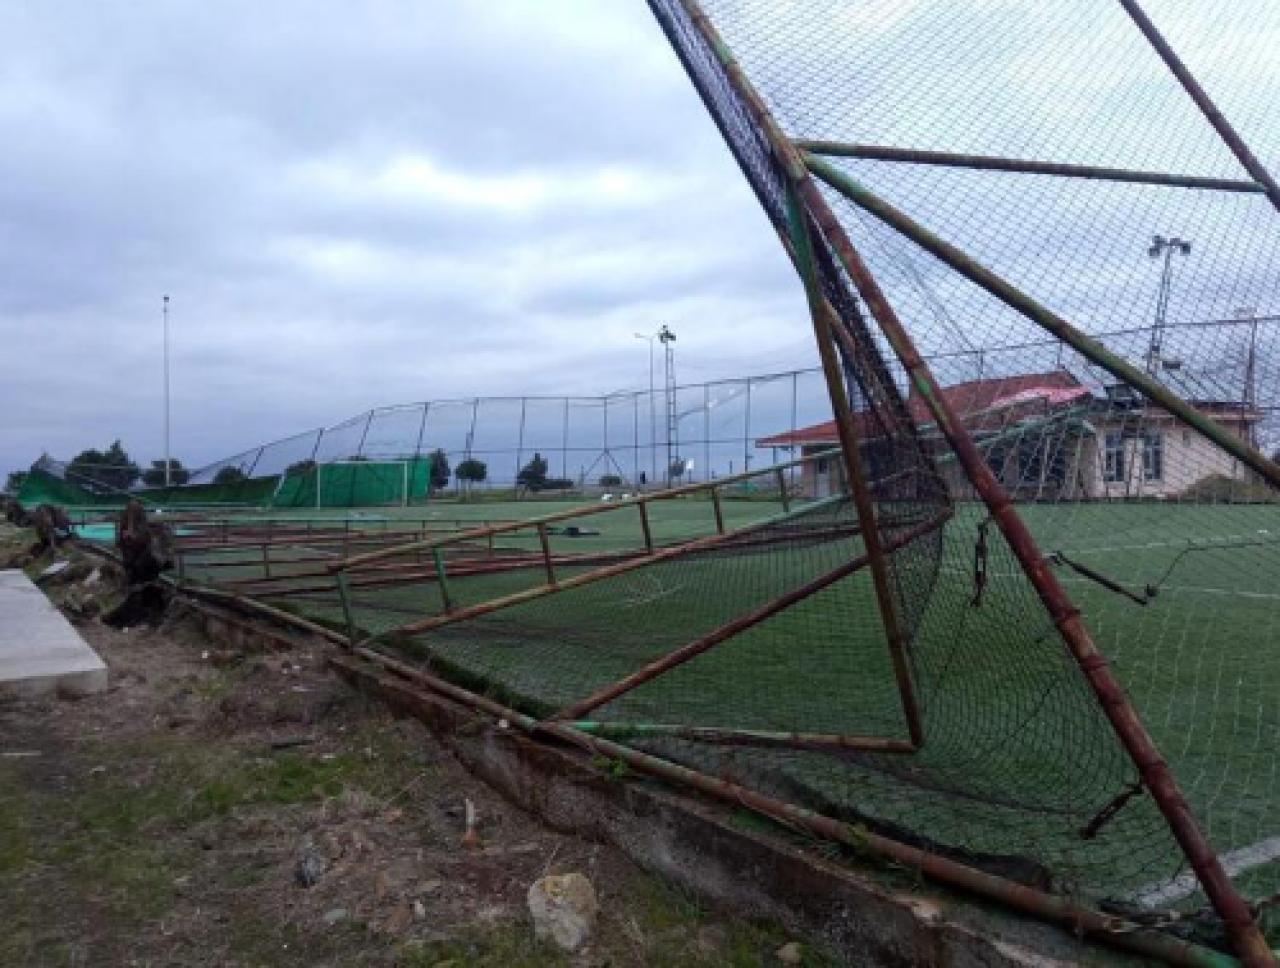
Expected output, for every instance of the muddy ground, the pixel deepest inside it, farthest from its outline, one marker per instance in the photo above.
(216, 808)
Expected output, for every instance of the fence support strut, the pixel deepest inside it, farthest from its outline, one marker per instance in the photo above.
(1240, 925)
(713, 638)
(821, 312)
(1220, 124)
(1042, 316)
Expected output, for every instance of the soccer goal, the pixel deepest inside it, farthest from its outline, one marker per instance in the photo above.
(362, 483)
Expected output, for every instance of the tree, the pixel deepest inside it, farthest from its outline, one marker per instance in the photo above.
(300, 467)
(472, 471)
(439, 463)
(231, 474)
(153, 476)
(534, 474)
(110, 469)
(14, 482)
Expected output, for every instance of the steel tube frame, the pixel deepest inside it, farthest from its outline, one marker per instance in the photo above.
(1042, 316)
(568, 515)
(797, 243)
(723, 736)
(1026, 166)
(740, 624)
(1220, 124)
(1113, 930)
(822, 312)
(609, 571)
(1238, 919)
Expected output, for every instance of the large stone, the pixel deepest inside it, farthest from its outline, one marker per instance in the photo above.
(564, 909)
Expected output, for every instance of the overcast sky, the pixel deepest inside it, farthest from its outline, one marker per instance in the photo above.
(353, 206)
(362, 205)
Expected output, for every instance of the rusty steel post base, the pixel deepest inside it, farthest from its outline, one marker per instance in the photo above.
(695, 841)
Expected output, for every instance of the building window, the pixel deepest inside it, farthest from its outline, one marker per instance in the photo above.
(1153, 455)
(996, 457)
(1113, 458)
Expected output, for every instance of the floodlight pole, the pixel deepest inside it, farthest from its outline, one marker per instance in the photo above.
(168, 463)
(1166, 247)
(653, 420)
(666, 338)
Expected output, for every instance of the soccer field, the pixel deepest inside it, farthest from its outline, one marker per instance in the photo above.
(1018, 761)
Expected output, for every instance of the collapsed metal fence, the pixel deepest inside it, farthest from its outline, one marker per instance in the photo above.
(730, 426)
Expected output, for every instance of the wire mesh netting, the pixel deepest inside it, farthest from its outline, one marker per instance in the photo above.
(1165, 537)
(1152, 512)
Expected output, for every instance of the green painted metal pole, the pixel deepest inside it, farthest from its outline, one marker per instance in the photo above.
(821, 311)
(344, 595)
(446, 599)
(744, 737)
(1042, 316)
(1057, 908)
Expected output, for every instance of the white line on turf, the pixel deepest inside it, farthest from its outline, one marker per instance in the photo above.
(1193, 589)
(1233, 861)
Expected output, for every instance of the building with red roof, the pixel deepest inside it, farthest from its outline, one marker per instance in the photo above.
(1047, 436)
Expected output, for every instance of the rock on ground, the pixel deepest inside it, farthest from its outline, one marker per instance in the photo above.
(564, 909)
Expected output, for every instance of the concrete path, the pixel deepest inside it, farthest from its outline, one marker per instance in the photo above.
(39, 650)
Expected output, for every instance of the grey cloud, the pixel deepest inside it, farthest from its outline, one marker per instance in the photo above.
(183, 148)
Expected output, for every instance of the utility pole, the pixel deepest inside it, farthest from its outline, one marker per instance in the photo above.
(168, 462)
(666, 338)
(1166, 247)
(653, 419)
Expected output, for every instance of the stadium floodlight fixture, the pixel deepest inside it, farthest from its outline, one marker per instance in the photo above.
(1166, 247)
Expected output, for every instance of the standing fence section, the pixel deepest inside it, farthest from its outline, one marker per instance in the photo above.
(618, 443)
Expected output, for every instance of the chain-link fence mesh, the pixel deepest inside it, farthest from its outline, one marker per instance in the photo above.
(1165, 534)
(1153, 515)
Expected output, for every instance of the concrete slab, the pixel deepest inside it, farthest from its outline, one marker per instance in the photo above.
(39, 650)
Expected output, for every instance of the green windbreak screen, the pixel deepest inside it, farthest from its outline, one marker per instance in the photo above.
(41, 487)
(356, 484)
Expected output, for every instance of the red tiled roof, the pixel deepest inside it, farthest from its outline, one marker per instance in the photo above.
(974, 397)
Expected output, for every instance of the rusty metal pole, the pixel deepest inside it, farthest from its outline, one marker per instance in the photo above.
(797, 175)
(643, 507)
(821, 312)
(545, 543)
(740, 624)
(1244, 932)
(719, 511)
(1026, 166)
(1231, 907)
(1053, 907)
(1220, 124)
(1042, 316)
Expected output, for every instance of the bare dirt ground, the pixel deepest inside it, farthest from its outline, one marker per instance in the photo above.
(222, 809)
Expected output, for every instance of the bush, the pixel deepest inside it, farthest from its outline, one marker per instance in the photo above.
(230, 475)
(534, 474)
(554, 484)
(1220, 489)
(153, 476)
(110, 469)
(298, 468)
(439, 463)
(472, 470)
